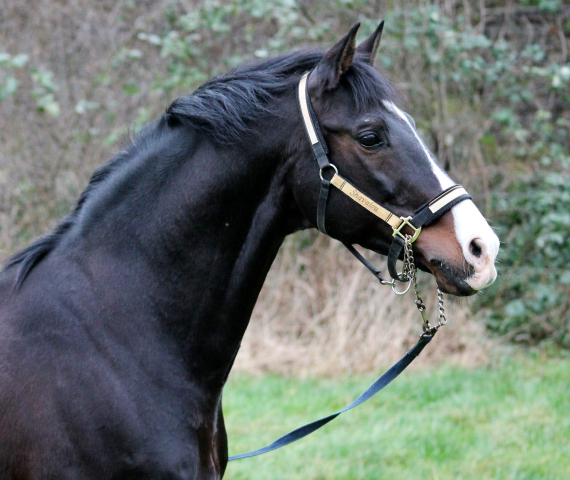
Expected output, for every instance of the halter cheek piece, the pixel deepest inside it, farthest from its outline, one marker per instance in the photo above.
(423, 216)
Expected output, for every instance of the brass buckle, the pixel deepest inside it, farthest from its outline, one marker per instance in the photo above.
(406, 221)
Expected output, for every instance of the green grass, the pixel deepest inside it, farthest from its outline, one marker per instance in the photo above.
(507, 422)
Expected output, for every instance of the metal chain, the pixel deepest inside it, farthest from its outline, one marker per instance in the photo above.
(409, 269)
(409, 273)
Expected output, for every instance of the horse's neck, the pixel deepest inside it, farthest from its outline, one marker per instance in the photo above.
(200, 244)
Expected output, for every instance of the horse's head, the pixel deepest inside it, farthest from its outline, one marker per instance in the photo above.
(376, 147)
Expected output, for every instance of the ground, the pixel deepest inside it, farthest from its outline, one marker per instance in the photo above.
(506, 421)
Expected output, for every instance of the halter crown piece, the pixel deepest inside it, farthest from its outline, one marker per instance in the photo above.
(423, 216)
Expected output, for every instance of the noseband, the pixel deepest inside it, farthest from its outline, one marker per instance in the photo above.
(423, 216)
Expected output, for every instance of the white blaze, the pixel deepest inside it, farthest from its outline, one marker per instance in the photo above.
(468, 221)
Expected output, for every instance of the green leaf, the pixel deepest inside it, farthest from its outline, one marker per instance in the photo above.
(9, 88)
(516, 308)
(20, 60)
(565, 278)
(4, 57)
(83, 105)
(48, 104)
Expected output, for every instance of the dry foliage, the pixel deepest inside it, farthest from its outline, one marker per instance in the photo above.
(322, 313)
(46, 161)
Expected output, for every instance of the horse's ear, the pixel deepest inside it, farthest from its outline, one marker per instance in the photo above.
(335, 62)
(369, 47)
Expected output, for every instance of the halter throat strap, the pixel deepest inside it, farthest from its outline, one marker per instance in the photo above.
(425, 215)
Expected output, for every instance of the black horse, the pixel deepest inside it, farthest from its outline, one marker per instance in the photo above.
(118, 330)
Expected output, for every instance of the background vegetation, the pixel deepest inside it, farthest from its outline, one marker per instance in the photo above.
(487, 82)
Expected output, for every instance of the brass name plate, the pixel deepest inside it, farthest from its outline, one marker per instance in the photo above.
(365, 201)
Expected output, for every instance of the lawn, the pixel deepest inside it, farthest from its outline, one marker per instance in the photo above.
(510, 421)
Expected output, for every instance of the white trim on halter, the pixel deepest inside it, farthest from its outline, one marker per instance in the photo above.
(305, 110)
(442, 202)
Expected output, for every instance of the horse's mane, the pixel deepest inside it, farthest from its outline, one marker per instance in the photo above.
(228, 106)
(224, 108)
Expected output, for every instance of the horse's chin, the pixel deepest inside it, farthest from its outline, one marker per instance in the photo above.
(449, 279)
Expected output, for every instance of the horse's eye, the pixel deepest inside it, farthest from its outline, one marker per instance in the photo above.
(372, 140)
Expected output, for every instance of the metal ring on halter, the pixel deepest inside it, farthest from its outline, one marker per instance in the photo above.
(403, 292)
(327, 166)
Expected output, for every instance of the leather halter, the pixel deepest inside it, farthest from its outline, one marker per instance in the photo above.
(423, 216)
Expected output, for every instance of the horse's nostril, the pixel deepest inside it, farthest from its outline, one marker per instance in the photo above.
(475, 249)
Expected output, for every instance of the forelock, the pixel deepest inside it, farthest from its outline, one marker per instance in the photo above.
(368, 87)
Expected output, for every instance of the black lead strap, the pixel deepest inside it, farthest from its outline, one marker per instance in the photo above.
(383, 381)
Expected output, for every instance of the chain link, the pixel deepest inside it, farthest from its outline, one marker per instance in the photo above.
(441, 310)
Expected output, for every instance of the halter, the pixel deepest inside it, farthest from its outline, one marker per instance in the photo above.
(423, 216)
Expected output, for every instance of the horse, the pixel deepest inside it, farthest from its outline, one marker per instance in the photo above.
(118, 329)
